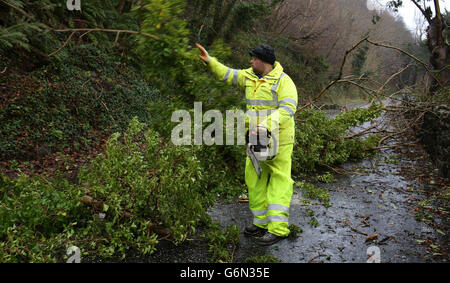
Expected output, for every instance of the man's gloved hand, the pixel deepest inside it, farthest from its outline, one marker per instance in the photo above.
(261, 135)
(261, 131)
(204, 56)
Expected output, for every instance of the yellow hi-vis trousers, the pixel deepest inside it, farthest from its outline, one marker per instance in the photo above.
(270, 196)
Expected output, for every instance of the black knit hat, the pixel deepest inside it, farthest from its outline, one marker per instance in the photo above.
(265, 53)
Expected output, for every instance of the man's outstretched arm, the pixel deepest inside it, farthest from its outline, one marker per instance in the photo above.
(228, 75)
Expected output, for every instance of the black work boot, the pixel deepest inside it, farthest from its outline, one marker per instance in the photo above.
(269, 239)
(254, 231)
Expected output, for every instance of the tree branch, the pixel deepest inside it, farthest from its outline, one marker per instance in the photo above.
(439, 23)
(409, 55)
(21, 11)
(346, 54)
(422, 11)
(394, 75)
(108, 30)
(65, 43)
(337, 79)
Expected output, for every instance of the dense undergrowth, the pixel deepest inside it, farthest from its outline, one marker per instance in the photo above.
(140, 186)
(123, 88)
(86, 91)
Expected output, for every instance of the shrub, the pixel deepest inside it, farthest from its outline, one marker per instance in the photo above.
(319, 140)
(68, 102)
(37, 218)
(141, 186)
(149, 178)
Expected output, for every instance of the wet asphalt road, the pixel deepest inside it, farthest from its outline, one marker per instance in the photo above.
(378, 201)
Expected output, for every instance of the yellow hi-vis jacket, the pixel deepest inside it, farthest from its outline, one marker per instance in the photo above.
(272, 99)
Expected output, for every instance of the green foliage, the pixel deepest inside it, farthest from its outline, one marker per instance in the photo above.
(312, 192)
(92, 92)
(319, 140)
(12, 36)
(216, 19)
(359, 60)
(295, 231)
(263, 259)
(95, 13)
(37, 218)
(375, 19)
(164, 60)
(245, 15)
(149, 178)
(326, 178)
(222, 243)
(224, 165)
(313, 222)
(140, 181)
(172, 63)
(358, 115)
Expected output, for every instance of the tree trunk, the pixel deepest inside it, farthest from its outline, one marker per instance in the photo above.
(439, 50)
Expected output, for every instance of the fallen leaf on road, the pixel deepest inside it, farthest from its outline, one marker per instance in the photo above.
(372, 237)
(312, 260)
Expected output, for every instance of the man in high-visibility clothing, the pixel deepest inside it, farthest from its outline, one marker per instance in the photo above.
(272, 98)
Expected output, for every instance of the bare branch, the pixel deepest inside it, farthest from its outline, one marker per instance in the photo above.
(422, 11)
(346, 54)
(65, 43)
(394, 75)
(108, 30)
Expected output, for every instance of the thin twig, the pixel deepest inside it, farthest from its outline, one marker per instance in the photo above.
(81, 36)
(409, 55)
(360, 232)
(65, 43)
(394, 75)
(108, 30)
(346, 54)
(389, 136)
(343, 172)
(336, 80)
(117, 37)
(199, 32)
(364, 88)
(361, 133)
(391, 146)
